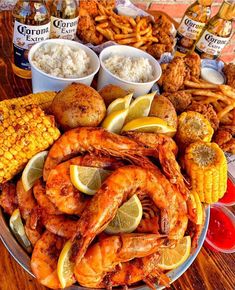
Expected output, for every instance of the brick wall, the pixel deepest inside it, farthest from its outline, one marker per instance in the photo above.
(176, 9)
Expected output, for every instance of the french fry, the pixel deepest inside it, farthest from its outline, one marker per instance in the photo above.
(105, 32)
(225, 111)
(132, 21)
(121, 26)
(103, 25)
(207, 93)
(127, 40)
(228, 91)
(101, 18)
(139, 44)
(200, 86)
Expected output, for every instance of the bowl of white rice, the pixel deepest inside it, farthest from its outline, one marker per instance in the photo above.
(56, 63)
(128, 67)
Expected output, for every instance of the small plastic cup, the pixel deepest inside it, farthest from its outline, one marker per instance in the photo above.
(221, 230)
(229, 197)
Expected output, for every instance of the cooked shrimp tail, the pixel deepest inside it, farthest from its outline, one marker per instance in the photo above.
(103, 256)
(92, 140)
(117, 188)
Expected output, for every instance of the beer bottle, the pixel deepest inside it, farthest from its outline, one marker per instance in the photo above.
(31, 20)
(64, 19)
(192, 23)
(217, 32)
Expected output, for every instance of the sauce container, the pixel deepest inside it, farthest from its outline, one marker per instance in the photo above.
(221, 231)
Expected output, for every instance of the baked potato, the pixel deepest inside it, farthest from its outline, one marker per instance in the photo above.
(78, 105)
(111, 92)
(162, 108)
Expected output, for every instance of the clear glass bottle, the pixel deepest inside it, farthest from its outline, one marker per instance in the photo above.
(64, 19)
(31, 20)
(217, 32)
(192, 23)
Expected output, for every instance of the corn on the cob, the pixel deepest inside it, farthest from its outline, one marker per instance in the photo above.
(43, 99)
(192, 127)
(23, 133)
(206, 166)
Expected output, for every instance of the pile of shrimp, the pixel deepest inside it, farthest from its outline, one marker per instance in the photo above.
(54, 211)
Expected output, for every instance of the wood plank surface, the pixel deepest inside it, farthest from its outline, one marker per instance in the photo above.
(210, 271)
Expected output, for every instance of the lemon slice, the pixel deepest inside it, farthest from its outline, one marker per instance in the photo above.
(127, 218)
(65, 266)
(171, 258)
(149, 124)
(87, 179)
(119, 104)
(140, 107)
(17, 228)
(115, 121)
(33, 170)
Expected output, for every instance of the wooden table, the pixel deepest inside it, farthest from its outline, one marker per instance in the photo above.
(210, 270)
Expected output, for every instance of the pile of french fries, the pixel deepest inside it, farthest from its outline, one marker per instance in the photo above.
(222, 97)
(136, 32)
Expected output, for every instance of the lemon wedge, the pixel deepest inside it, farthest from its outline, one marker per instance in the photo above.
(149, 124)
(171, 258)
(127, 218)
(140, 107)
(65, 266)
(87, 179)
(17, 228)
(33, 170)
(120, 104)
(115, 121)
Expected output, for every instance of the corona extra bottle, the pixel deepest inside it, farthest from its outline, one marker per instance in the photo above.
(64, 19)
(31, 25)
(192, 23)
(217, 32)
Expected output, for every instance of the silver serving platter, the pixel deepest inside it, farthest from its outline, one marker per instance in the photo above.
(22, 258)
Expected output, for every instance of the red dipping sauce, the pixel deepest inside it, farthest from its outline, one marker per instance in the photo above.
(221, 231)
(229, 196)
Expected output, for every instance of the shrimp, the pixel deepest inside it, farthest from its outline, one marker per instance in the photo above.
(165, 151)
(8, 198)
(25, 199)
(139, 269)
(60, 190)
(61, 225)
(44, 259)
(92, 140)
(118, 187)
(103, 256)
(39, 192)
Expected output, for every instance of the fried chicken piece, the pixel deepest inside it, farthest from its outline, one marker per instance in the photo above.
(87, 30)
(164, 67)
(225, 140)
(207, 111)
(156, 50)
(90, 6)
(229, 71)
(165, 38)
(173, 76)
(162, 23)
(180, 100)
(8, 198)
(229, 128)
(193, 64)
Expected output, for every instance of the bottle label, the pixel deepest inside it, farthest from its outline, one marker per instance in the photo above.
(190, 28)
(24, 37)
(63, 28)
(187, 34)
(211, 44)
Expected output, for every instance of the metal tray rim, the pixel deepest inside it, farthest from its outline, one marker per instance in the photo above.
(23, 259)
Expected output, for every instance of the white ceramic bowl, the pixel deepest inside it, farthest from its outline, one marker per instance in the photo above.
(42, 81)
(106, 77)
